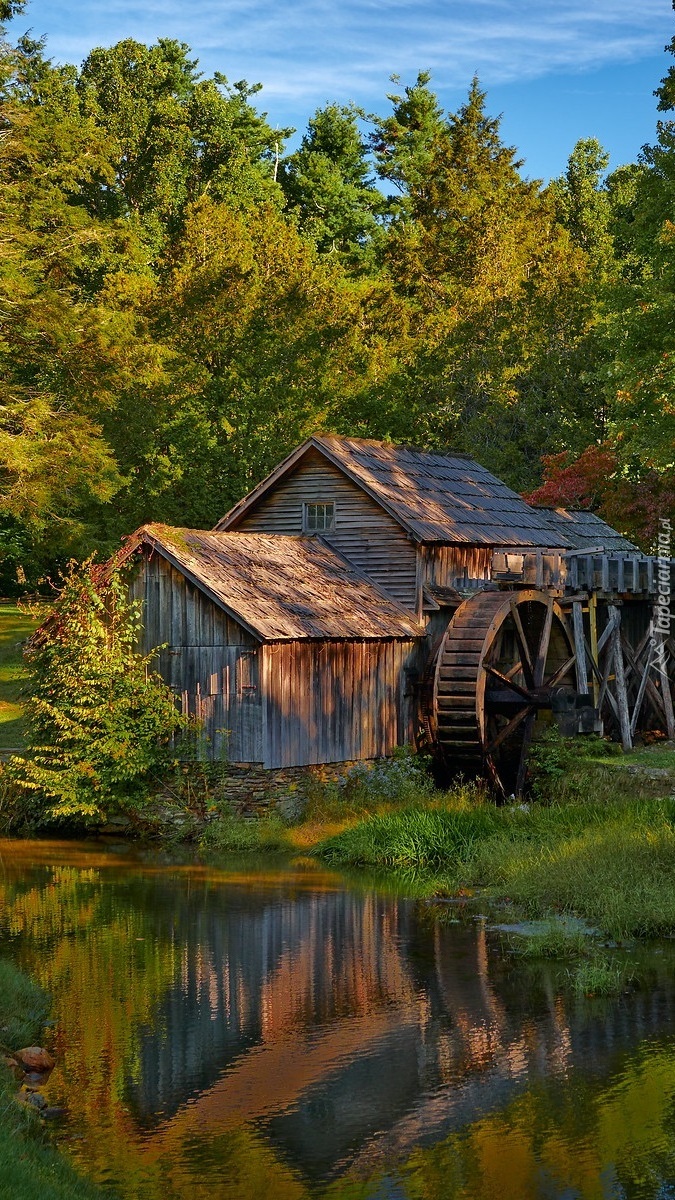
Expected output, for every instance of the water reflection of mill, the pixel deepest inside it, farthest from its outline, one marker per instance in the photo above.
(352, 1028)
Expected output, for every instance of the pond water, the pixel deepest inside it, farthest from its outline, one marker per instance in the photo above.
(280, 1031)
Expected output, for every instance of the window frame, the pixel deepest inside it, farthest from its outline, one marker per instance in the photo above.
(307, 504)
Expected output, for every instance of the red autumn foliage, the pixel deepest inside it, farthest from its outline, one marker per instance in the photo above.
(595, 481)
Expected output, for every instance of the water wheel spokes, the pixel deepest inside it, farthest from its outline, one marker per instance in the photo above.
(501, 657)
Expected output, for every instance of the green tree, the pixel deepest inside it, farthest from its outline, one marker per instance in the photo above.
(11, 8)
(583, 204)
(51, 450)
(173, 134)
(328, 182)
(267, 344)
(98, 720)
(405, 143)
(494, 287)
(637, 371)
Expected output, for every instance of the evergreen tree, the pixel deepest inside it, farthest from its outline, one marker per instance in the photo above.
(494, 284)
(405, 143)
(328, 181)
(583, 204)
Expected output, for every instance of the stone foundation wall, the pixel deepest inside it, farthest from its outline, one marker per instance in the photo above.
(253, 790)
(203, 791)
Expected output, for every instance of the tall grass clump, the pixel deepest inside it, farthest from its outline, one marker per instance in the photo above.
(553, 941)
(426, 838)
(599, 976)
(231, 834)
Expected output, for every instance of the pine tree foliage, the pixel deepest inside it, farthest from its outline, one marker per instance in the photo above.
(329, 183)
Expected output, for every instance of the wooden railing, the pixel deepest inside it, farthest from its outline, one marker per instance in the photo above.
(619, 573)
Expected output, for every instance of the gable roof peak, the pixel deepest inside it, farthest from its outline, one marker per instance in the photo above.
(435, 496)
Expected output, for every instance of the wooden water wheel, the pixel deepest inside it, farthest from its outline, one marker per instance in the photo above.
(502, 657)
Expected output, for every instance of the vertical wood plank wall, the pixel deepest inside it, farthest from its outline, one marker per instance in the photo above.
(364, 532)
(337, 701)
(455, 566)
(211, 662)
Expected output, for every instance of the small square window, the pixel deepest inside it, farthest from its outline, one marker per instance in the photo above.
(319, 517)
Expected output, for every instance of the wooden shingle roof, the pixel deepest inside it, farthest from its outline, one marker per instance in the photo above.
(435, 497)
(586, 530)
(281, 588)
(439, 497)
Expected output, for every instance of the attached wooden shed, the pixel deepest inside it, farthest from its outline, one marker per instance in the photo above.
(285, 651)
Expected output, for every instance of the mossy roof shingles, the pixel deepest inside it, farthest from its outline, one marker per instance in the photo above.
(281, 588)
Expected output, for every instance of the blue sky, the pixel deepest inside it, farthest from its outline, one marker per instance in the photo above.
(557, 69)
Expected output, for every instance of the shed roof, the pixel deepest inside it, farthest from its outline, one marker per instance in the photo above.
(586, 530)
(281, 588)
(435, 497)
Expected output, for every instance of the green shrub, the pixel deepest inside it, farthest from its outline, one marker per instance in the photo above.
(402, 779)
(230, 834)
(561, 768)
(99, 721)
(419, 837)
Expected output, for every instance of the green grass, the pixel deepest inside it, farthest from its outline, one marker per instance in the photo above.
(30, 1167)
(415, 836)
(618, 874)
(230, 834)
(15, 627)
(554, 941)
(23, 1007)
(609, 861)
(599, 976)
(649, 756)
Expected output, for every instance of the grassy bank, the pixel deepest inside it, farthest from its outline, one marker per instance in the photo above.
(598, 845)
(30, 1167)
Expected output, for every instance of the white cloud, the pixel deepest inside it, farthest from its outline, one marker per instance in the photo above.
(312, 50)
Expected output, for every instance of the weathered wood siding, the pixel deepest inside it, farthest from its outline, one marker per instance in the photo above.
(337, 701)
(210, 661)
(364, 532)
(455, 566)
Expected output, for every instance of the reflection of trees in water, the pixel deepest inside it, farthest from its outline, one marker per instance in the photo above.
(331, 1030)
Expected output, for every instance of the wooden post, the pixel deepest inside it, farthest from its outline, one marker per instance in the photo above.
(641, 691)
(607, 636)
(593, 622)
(667, 698)
(668, 707)
(620, 680)
(580, 647)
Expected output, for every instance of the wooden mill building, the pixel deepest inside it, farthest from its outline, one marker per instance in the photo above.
(367, 596)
